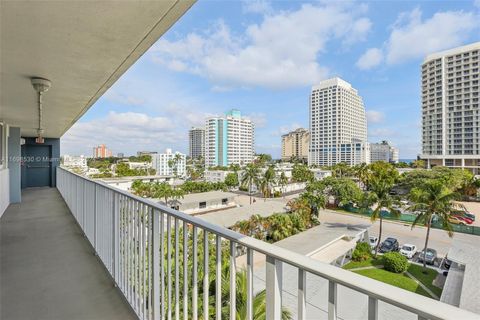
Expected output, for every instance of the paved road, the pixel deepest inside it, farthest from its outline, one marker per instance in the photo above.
(439, 239)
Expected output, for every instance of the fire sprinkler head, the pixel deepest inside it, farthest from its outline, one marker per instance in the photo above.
(40, 84)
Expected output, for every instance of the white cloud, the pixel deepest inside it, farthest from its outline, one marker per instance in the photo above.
(371, 58)
(476, 3)
(413, 37)
(375, 116)
(279, 52)
(259, 119)
(256, 6)
(381, 133)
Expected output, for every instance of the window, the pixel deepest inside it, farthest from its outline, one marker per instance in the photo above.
(202, 205)
(224, 201)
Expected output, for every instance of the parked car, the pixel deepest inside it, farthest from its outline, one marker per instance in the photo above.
(389, 245)
(408, 250)
(447, 263)
(456, 220)
(373, 242)
(429, 256)
(463, 218)
(463, 213)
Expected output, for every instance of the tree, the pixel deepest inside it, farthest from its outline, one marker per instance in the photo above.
(343, 190)
(381, 182)
(315, 196)
(263, 158)
(283, 181)
(362, 172)
(418, 164)
(231, 180)
(301, 173)
(341, 170)
(250, 177)
(267, 181)
(431, 198)
(163, 191)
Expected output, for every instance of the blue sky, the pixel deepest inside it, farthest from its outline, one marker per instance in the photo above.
(262, 58)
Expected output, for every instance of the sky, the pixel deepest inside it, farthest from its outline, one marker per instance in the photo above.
(262, 57)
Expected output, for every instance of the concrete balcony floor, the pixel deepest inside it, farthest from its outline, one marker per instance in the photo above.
(48, 269)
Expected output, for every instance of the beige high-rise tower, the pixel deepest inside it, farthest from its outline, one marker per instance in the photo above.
(295, 145)
(450, 108)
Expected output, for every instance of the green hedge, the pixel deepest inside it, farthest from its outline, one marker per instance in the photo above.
(395, 262)
(362, 252)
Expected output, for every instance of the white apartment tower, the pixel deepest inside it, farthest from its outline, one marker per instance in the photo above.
(169, 163)
(196, 142)
(338, 124)
(229, 139)
(383, 151)
(450, 126)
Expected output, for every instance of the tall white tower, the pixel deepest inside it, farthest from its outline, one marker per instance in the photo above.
(450, 108)
(338, 124)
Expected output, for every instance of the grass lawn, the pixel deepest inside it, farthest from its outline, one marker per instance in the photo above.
(366, 263)
(398, 280)
(426, 279)
(395, 279)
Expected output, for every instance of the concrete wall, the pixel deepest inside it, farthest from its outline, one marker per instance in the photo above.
(13, 161)
(4, 190)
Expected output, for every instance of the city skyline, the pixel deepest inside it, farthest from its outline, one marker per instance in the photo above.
(175, 86)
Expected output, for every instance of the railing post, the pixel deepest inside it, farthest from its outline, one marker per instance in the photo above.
(95, 217)
(115, 237)
(155, 265)
(372, 308)
(302, 293)
(233, 280)
(249, 284)
(273, 288)
(332, 300)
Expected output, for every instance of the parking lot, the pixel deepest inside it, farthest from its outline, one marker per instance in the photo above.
(439, 239)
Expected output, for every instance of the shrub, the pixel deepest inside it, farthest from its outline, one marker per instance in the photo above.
(395, 262)
(362, 252)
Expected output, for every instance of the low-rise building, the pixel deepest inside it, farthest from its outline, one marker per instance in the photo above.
(216, 175)
(74, 161)
(169, 163)
(320, 174)
(199, 203)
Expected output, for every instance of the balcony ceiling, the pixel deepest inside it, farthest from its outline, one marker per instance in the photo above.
(82, 47)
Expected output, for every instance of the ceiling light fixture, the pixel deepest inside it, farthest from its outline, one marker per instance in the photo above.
(40, 85)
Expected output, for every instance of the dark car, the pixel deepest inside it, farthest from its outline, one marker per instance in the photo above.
(430, 256)
(389, 245)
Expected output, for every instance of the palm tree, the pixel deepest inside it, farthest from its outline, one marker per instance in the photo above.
(258, 302)
(362, 172)
(432, 198)
(283, 181)
(250, 177)
(163, 190)
(267, 181)
(382, 180)
(341, 170)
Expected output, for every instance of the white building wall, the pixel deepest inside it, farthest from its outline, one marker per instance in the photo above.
(338, 125)
(160, 163)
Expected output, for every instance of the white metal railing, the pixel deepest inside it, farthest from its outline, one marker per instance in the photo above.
(134, 239)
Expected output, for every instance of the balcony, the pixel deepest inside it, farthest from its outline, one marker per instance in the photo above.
(48, 270)
(49, 242)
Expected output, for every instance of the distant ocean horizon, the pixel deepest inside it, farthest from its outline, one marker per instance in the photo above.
(407, 160)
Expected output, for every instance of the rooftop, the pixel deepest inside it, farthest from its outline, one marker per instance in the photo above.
(206, 196)
(227, 218)
(468, 47)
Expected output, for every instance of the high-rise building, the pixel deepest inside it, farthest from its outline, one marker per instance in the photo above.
(101, 151)
(169, 163)
(383, 151)
(338, 124)
(450, 100)
(295, 145)
(196, 142)
(229, 139)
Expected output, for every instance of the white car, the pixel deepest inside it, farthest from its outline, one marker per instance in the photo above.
(408, 250)
(373, 241)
